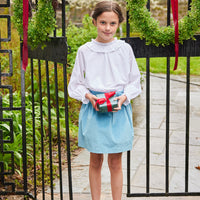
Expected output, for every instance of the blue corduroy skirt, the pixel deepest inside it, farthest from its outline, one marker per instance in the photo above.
(110, 132)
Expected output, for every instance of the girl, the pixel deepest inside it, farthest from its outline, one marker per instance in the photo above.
(105, 64)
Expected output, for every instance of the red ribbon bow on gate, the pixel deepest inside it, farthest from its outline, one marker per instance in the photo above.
(175, 18)
(25, 34)
(106, 99)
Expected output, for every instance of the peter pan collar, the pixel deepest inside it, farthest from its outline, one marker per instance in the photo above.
(104, 47)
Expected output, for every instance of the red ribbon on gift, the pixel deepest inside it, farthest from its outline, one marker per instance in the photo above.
(25, 34)
(175, 18)
(106, 99)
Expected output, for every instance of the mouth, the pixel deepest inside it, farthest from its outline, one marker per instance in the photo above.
(107, 33)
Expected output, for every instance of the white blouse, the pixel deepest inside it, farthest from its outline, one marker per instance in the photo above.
(105, 67)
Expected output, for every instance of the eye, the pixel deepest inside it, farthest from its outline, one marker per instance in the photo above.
(103, 22)
(113, 23)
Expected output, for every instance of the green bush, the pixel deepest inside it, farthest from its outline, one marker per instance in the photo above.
(16, 145)
(77, 36)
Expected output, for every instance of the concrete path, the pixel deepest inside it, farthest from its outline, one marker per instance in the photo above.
(80, 166)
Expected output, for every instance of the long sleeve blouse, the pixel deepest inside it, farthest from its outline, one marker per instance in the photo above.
(105, 67)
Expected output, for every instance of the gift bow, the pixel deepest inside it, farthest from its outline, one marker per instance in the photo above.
(106, 99)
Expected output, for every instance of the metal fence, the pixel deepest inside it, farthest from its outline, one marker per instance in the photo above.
(9, 187)
(190, 48)
(48, 67)
(40, 172)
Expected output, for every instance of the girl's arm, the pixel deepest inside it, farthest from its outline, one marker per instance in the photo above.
(92, 98)
(77, 88)
(121, 99)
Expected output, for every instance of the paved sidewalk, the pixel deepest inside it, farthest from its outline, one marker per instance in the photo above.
(108, 197)
(80, 166)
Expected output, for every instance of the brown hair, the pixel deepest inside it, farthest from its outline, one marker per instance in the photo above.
(107, 6)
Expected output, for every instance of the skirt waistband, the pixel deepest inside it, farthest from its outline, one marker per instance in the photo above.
(118, 93)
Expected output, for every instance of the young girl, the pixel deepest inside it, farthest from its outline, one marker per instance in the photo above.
(105, 64)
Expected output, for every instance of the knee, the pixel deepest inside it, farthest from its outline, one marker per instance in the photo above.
(115, 163)
(96, 161)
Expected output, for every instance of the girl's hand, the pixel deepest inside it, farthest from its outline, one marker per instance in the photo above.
(121, 100)
(92, 98)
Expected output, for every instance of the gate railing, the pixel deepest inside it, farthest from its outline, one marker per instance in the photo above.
(46, 57)
(141, 50)
(8, 187)
(190, 48)
(52, 60)
(46, 63)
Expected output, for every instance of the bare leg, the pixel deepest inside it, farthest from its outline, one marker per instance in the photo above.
(96, 161)
(115, 166)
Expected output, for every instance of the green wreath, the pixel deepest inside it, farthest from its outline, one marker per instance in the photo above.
(40, 25)
(154, 34)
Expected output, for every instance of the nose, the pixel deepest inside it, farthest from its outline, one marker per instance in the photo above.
(107, 26)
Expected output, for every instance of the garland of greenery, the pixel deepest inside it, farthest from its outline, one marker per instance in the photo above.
(40, 25)
(154, 34)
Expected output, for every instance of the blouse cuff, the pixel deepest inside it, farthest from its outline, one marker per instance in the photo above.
(84, 99)
(131, 96)
(127, 100)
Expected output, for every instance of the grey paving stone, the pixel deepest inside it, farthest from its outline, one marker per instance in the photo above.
(178, 137)
(194, 123)
(177, 183)
(157, 177)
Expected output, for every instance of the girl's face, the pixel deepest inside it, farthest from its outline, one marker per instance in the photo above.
(107, 24)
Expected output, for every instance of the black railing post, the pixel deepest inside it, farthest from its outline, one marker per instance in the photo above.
(127, 25)
(41, 129)
(187, 125)
(147, 124)
(167, 127)
(58, 131)
(33, 124)
(187, 137)
(23, 109)
(49, 131)
(148, 118)
(66, 108)
(128, 172)
(67, 132)
(167, 109)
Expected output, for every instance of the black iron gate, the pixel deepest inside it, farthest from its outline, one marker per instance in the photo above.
(8, 187)
(190, 48)
(45, 64)
(48, 67)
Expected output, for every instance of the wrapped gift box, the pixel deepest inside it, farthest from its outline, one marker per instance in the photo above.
(109, 103)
